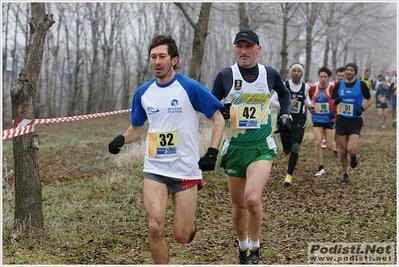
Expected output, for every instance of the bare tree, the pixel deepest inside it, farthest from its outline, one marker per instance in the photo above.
(5, 50)
(200, 34)
(14, 17)
(93, 58)
(88, 70)
(311, 12)
(288, 10)
(28, 192)
(5, 54)
(332, 16)
(54, 48)
(108, 20)
(242, 15)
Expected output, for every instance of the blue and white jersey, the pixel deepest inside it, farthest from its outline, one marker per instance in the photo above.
(351, 99)
(173, 112)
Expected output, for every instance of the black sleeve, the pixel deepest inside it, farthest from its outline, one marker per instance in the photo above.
(391, 89)
(223, 83)
(365, 90)
(335, 92)
(275, 82)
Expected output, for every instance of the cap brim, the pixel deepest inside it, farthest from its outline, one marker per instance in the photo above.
(246, 40)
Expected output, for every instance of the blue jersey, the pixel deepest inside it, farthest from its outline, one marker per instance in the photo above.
(323, 105)
(382, 96)
(173, 112)
(351, 99)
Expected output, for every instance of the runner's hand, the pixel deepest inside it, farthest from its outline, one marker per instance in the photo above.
(359, 111)
(284, 124)
(225, 110)
(337, 101)
(208, 162)
(332, 114)
(116, 144)
(294, 101)
(312, 109)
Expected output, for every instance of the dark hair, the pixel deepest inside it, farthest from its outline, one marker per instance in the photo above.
(340, 69)
(168, 40)
(326, 70)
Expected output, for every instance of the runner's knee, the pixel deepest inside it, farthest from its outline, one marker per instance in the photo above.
(295, 148)
(239, 210)
(155, 229)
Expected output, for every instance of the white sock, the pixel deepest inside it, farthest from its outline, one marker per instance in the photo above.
(243, 244)
(254, 244)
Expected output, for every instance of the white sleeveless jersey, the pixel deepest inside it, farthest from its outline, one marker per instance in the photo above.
(172, 110)
(250, 110)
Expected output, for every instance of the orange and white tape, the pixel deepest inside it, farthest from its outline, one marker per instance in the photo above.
(25, 126)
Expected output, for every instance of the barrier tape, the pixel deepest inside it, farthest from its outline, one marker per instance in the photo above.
(25, 126)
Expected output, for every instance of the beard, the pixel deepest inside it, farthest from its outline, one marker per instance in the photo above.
(163, 74)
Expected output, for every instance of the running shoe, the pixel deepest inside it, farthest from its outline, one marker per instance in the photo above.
(243, 256)
(336, 152)
(287, 181)
(323, 144)
(320, 172)
(354, 162)
(288, 156)
(345, 179)
(383, 126)
(254, 255)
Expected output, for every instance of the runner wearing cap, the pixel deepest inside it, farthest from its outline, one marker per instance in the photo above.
(249, 148)
(349, 96)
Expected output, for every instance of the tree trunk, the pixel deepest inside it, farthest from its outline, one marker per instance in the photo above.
(311, 16)
(284, 47)
(95, 60)
(28, 193)
(326, 52)
(244, 20)
(200, 34)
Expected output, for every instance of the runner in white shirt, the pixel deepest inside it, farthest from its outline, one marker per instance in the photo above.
(171, 103)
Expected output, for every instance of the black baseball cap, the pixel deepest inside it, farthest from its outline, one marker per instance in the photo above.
(247, 35)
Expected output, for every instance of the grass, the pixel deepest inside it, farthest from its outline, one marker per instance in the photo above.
(93, 208)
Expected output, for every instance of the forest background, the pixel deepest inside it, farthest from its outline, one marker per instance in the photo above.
(92, 200)
(96, 54)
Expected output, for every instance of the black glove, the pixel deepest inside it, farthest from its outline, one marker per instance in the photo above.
(332, 114)
(284, 125)
(225, 111)
(337, 101)
(359, 111)
(312, 109)
(208, 162)
(116, 144)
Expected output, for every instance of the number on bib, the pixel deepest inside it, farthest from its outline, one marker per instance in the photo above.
(245, 116)
(163, 143)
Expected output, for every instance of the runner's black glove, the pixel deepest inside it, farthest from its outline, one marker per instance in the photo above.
(332, 114)
(284, 124)
(312, 109)
(337, 101)
(116, 144)
(225, 111)
(359, 111)
(208, 162)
